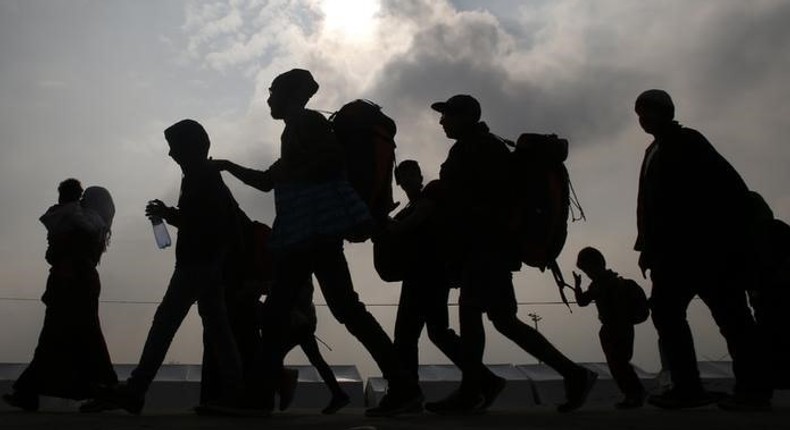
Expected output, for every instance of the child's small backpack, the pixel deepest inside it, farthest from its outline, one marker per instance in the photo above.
(368, 138)
(636, 300)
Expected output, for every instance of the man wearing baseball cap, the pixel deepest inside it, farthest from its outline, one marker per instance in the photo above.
(476, 190)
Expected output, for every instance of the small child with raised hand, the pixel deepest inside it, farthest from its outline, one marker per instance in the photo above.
(615, 310)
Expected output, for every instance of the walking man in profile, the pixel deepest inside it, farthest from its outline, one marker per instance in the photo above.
(476, 192)
(692, 226)
(205, 218)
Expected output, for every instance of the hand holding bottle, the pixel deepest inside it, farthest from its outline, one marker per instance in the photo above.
(155, 210)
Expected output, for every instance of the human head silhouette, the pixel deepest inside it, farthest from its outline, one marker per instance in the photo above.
(409, 176)
(591, 262)
(290, 91)
(70, 190)
(460, 114)
(655, 110)
(189, 143)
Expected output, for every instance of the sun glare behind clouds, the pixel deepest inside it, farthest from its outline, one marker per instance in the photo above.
(352, 19)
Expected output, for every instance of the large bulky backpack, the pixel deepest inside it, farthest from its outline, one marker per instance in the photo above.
(542, 201)
(636, 300)
(368, 138)
(542, 197)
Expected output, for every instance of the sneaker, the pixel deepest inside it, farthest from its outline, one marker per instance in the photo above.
(289, 379)
(491, 390)
(630, 403)
(677, 399)
(27, 403)
(744, 404)
(337, 403)
(577, 390)
(97, 405)
(398, 402)
(122, 397)
(458, 403)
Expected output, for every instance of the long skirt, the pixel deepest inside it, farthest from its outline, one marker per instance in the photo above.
(71, 357)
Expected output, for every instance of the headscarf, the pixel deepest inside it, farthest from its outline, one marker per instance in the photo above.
(99, 210)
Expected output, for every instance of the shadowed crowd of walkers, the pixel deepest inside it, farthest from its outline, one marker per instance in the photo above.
(700, 233)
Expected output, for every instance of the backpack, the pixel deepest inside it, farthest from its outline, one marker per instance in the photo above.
(249, 264)
(368, 138)
(636, 301)
(542, 198)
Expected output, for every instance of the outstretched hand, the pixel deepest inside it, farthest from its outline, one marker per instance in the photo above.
(220, 164)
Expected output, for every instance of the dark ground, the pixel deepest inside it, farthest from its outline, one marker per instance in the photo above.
(647, 418)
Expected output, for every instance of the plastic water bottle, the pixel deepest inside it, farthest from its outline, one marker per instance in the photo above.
(160, 233)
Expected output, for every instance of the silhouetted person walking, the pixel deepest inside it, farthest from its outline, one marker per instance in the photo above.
(426, 284)
(692, 221)
(71, 357)
(316, 208)
(300, 332)
(207, 224)
(607, 290)
(476, 193)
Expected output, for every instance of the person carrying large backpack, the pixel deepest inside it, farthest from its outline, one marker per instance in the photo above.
(316, 208)
(476, 190)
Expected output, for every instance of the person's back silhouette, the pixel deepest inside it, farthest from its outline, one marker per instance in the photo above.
(683, 181)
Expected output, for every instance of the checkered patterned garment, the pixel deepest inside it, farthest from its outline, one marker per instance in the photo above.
(308, 211)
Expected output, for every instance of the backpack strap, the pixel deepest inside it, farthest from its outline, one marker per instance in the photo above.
(561, 284)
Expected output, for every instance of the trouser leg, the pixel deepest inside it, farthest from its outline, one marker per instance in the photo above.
(409, 323)
(181, 293)
(618, 347)
(331, 270)
(669, 301)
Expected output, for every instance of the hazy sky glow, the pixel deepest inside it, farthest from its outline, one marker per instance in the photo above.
(86, 88)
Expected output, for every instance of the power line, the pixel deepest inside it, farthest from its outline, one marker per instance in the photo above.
(149, 302)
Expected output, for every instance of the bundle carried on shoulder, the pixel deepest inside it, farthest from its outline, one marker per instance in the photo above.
(368, 138)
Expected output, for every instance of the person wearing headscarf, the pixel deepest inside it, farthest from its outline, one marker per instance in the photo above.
(71, 358)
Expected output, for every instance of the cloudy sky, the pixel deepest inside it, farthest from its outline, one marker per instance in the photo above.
(86, 88)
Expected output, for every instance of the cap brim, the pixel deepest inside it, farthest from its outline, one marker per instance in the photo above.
(440, 107)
